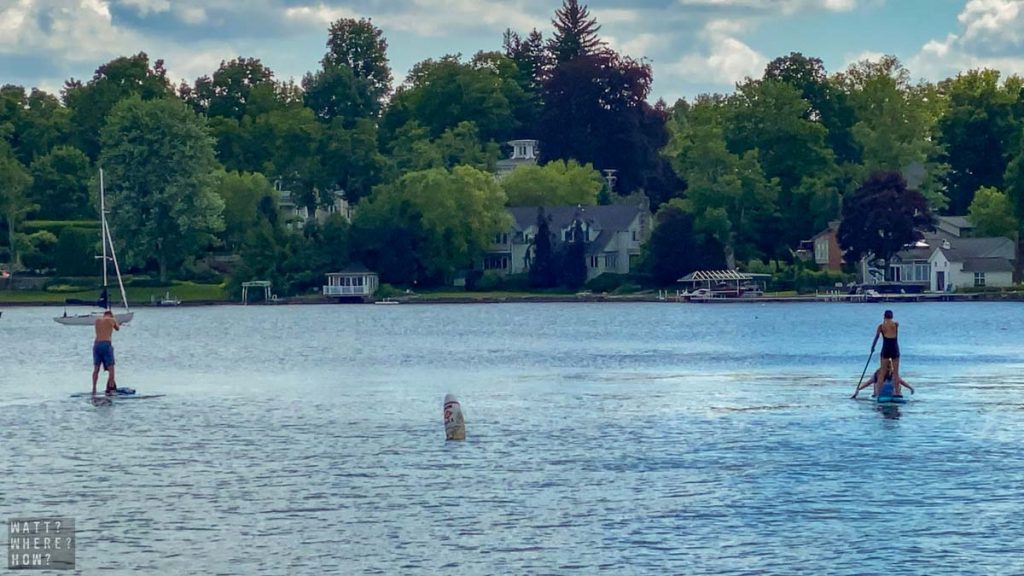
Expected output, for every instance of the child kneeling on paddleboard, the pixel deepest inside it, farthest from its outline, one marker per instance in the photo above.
(883, 384)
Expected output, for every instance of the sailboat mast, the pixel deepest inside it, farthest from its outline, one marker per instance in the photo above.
(113, 254)
(103, 228)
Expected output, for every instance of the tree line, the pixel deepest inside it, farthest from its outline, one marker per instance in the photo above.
(733, 179)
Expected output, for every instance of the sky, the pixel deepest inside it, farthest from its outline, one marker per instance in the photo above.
(694, 46)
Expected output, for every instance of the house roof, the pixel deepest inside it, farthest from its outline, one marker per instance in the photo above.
(987, 265)
(958, 221)
(613, 218)
(962, 249)
(832, 228)
(353, 268)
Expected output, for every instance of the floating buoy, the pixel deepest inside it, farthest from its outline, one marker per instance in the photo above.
(454, 422)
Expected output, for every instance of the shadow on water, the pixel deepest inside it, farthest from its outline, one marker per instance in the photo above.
(890, 411)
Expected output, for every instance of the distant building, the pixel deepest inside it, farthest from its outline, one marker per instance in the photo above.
(613, 235)
(948, 259)
(823, 248)
(524, 152)
(297, 215)
(354, 282)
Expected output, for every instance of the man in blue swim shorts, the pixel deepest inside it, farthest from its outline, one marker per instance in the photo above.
(103, 350)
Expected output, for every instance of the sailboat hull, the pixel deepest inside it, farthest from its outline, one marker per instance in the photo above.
(90, 319)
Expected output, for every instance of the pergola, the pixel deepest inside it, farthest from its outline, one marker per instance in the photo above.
(265, 284)
(711, 279)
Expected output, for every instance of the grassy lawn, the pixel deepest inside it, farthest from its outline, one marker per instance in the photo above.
(184, 291)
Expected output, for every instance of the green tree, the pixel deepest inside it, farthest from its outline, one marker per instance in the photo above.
(355, 78)
(675, 248)
(557, 183)
(414, 150)
(75, 251)
(351, 160)
(32, 123)
(770, 117)
(827, 102)
(428, 199)
(882, 217)
(992, 213)
(978, 133)
(242, 193)
(14, 204)
(228, 93)
(441, 94)
(160, 179)
(60, 185)
(894, 122)
(114, 81)
(728, 196)
(1015, 194)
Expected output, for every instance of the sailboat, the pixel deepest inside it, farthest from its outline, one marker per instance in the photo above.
(104, 299)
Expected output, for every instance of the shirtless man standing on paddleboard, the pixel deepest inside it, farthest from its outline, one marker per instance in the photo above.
(103, 350)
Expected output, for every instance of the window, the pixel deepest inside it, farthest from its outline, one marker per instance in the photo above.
(593, 261)
(821, 252)
(979, 279)
(634, 235)
(611, 261)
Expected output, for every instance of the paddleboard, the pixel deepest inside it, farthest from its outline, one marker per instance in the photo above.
(122, 394)
(891, 400)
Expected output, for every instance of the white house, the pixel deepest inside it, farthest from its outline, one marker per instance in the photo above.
(524, 152)
(946, 260)
(971, 262)
(613, 235)
(297, 215)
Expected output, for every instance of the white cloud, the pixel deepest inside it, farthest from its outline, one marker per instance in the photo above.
(990, 37)
(992, 21)
(862, 56)
(319, 15)
(727, 60)
(643, 45)
(774, 6)
(191, 14)
(615, 16)
(75, 31)
(146, 7)
(436, 17)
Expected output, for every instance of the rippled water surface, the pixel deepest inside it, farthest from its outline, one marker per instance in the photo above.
(615, 438)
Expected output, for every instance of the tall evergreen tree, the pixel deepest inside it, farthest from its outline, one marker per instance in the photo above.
(542, 266)
(573, 266)
(575, 33)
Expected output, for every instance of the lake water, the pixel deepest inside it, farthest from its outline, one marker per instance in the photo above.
(601, 438)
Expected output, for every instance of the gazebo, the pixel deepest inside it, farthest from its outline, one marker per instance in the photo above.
(355, 281)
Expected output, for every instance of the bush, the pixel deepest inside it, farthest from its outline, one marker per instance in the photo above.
(626, 288)
(74, 252)
(607, 282)
(490, 282)
(55, 227)
(66, 284)
(146, 282)
(387, 291)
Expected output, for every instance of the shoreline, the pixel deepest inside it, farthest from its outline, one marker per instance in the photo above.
(573, 298)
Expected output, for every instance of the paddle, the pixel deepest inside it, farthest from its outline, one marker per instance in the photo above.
(866, 364)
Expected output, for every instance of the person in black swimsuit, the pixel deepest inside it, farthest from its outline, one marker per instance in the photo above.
(889, 331)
